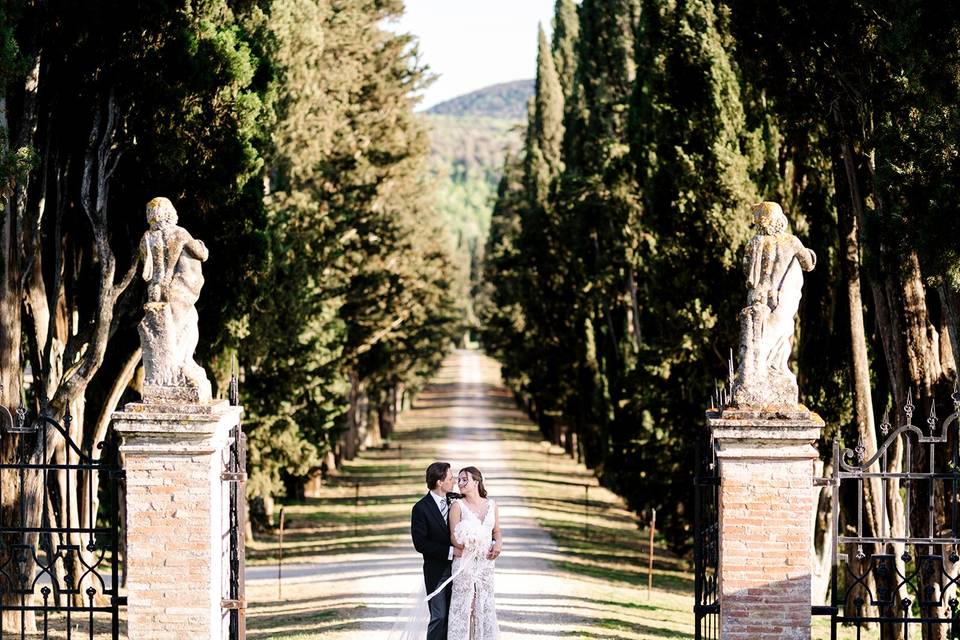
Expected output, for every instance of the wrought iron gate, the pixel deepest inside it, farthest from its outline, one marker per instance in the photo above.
(235, 476)
(59, 532)
(899, 581)
(706, 550)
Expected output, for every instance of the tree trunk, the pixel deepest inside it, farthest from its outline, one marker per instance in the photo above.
(889, 329)
(634, 309)
(363, 419)
(10, 304)
(351, 435)
(912, 351)
(848, 221)
(11, 333)
(951, 322)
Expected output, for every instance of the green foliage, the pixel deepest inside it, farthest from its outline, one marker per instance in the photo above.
(499, 299)
(359, 286)
(694, 172)
(466, 154)
(566, 32)
(284, 132)
(613, 282)
(10, 164)
(465, 162)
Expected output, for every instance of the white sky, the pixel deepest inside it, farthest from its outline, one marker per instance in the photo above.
(471, 44)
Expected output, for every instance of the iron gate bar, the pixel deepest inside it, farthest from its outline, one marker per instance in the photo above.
(235, 474)
(933, 541)
(40, 467)
(59, 530)
(913, 475)
(891, 585)
(706, 547)
(64, 544)
(898, 621)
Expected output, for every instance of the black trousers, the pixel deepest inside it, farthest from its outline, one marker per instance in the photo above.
(439, 609)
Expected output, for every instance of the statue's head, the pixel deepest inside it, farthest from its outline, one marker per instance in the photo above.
(160, 212)
(768, 218)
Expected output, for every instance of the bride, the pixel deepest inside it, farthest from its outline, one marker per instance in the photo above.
(475, 529)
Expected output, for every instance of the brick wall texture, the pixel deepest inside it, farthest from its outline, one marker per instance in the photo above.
(173, 582)
(765, 540)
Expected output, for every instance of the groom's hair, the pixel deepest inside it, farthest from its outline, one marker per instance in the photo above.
(435, 473)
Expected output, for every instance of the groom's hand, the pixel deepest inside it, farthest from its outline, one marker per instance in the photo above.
(457, 552)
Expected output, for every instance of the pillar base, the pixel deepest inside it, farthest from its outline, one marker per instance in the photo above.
(766, 513)
(177, 513)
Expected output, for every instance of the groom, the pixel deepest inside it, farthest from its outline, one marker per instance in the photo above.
(431, 538)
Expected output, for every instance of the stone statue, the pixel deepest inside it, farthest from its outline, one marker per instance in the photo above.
(774, 266)
(168, 332)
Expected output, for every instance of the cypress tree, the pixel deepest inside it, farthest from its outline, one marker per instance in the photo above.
(879, 92)
(604, 213)
(545, 130)
(360, 299)
(500, 299)
(566, 32)
(542, 243)
(693, 172)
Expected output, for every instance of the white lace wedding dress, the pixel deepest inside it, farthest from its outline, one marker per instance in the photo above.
(473, 614)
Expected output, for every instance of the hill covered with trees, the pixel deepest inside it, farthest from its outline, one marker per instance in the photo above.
(468, 138)
(503, 101)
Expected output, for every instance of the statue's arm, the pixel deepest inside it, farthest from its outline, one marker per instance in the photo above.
(197, 249)
(806, 257)
(144, 254)
(752, 262)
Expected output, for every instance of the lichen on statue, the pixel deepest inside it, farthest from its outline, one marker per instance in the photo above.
(168, 332)
(774, 264)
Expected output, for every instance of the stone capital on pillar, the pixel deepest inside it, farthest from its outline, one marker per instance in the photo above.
(766, 513)
(177, 513)
(766, 435)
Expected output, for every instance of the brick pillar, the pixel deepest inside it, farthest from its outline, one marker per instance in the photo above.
(766, 463)
(177, 513)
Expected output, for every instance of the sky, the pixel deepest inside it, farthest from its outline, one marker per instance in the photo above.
(471, 44)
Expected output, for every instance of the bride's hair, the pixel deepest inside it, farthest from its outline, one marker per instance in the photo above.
(476, 475)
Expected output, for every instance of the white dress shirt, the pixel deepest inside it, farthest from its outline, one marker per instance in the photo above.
(444, 508)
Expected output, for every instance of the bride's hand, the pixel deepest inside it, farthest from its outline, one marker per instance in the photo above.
(494, 552)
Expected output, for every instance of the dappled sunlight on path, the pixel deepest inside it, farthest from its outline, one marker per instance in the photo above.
(350, 569)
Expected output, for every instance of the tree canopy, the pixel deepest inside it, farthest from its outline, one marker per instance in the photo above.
(613, 280)
(284, 133)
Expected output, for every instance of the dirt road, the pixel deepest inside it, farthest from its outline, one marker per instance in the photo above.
(351, 582)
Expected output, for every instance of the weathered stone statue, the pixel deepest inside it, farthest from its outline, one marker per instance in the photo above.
(774, 265)
(168, 333)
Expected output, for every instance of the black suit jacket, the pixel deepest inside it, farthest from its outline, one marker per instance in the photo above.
(431, 538)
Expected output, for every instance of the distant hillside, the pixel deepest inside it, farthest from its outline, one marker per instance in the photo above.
(469, 137)
(506, 101)
(466, 160)
(470, 145)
